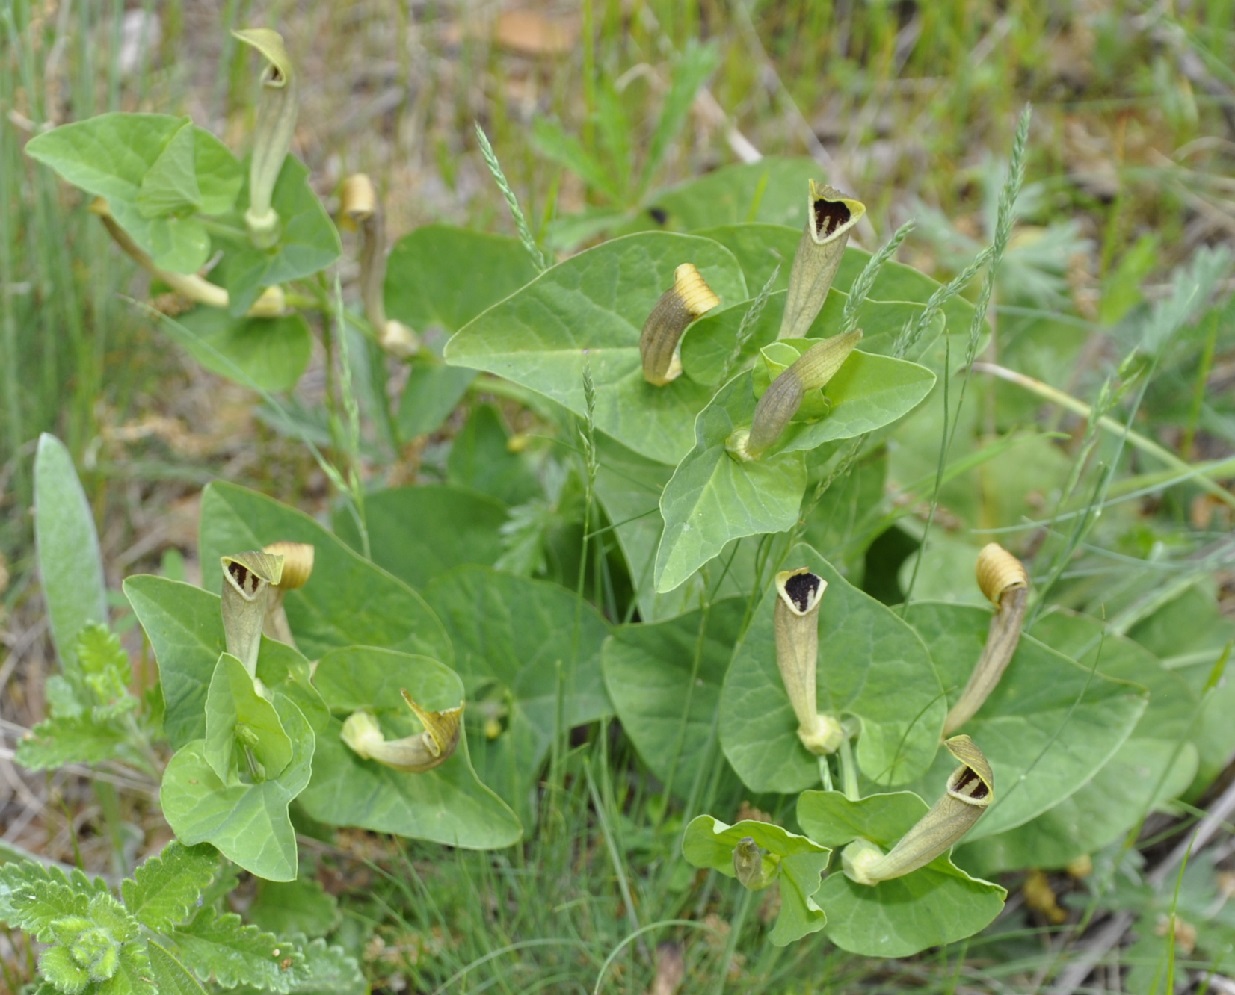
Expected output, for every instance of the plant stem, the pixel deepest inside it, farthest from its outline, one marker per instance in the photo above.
(731, 944)
(848, 771)
(1145, 445)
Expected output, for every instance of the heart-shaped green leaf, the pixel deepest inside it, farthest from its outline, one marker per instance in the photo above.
(664, 681)
(710, 843)
(238, 718)
(712, 498)
(1154, 764)
(443, 276)
(247, 822)
(111, 155)
(529, 655)
(447, 804)
(1048, 727)
(418, 533)
(587, 314)
(260, 353)
(936, 904)
(347, 602)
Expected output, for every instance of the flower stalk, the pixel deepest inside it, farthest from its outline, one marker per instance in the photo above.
(831, 216)
(360, 210)
(660, 341)
(970, 791)
(1004, 581)
(270, 304)
(795, 623)
(780, 402)
(276, 123)
(415, 754)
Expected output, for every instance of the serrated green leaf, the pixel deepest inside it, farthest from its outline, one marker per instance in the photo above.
(170, 974)
(170, 184)
(33, 895)
(60, 740)
(109, 156)
(1048, 727)
(356, 604)
(264, 354)
(300, 906)
(871, 666)
(528, 652)
(708, 842)
(248, 823)
(936, 904)
(185, 628)
(712, 498)
(219, 947)
(165, 888)
(418, 533)
(447, 804)
(664, 681)
(70, 565)
(308, 241)
(104, 664)
(327, 970)
(588, 312)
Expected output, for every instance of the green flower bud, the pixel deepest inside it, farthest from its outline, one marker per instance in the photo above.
(686, 300)
(276, 123)
(1004, 581)
(970, 791)
(831, 217)
(755, 869)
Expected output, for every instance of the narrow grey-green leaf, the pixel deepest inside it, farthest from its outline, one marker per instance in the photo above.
(70, 564)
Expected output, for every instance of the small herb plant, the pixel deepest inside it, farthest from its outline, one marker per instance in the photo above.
(680, 545)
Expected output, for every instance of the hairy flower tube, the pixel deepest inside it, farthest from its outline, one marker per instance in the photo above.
(796, 625)
(249, 582)
(969, 792)
(276, 123)
(415, 754)
(831, 216)
(780, 402)
(1004, 581)
(686, 300)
